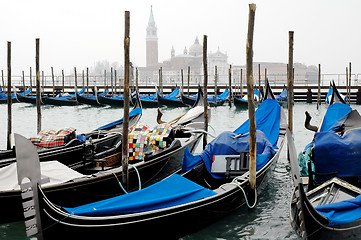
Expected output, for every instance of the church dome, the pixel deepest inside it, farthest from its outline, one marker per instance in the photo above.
(196, 49)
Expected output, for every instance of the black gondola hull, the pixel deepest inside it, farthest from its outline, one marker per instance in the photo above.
(102, 185)
(169, 223)
(60, 102)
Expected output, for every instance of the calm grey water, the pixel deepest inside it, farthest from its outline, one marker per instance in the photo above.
(269, 219)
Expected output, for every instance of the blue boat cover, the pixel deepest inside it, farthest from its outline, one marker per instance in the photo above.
(335, 116)
(4, 95)
(149, 98)
(282, 96)
(173, 95)
(342, 212)
(329, 93)
(267, 120)
(220, 97)
(335, 153)
(169, 192)
(255, 94)
(133, 113)
(267, 124)
(227, 144)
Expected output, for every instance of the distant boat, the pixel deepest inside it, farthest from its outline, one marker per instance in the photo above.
(149, 101)
(90, 98)
(221, 98)
(62, 99)
(4, 96)
(171, 100)
(243, 102)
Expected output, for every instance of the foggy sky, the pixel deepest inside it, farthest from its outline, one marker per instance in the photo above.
(78, 33)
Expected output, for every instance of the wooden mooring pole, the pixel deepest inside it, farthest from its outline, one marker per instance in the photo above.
(349, 84)
(251, 105)
(125, 171)
(52, 78)
(9, 101)
(38, 100)
(290, 81)
(215, 84)
(205, 85)
(63, 80)
(31, 81)
(182, 81)
(2, 78)
(189, 77)
(230, 84)
(75, 81)
(319, 86)
(24, 82)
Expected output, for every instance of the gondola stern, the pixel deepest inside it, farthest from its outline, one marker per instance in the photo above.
(28, 169)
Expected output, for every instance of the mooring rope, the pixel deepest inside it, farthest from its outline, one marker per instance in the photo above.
(235, 183)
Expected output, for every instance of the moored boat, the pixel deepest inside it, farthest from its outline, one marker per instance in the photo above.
(207, 198)
(325, 202)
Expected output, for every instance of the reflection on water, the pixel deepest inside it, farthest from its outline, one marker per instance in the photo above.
(268, 220)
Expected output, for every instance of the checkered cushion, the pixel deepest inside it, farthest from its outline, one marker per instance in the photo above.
(159, 136)
(138, 141)
(51, 138)
(142, 139)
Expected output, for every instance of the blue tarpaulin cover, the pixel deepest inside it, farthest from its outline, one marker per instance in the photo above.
(226, 144)
(334, 153)
(342, 212)
(282, 96)
(220, 97)
(173, 95)
(267, 123)
(169, 192)
(267, 120)
(149, 98)
(335, 116)
(255, 95)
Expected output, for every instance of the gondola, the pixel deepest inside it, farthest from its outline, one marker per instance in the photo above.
(188, 99)
(170, 100)
(73, 150)
(329, 95)
(149, 101)
(200, 199)
(325, 202)
(4, 96)
(242, 103)
(221, 99)
(90, 98)
(98, 178)
(28, 97)
(62, 99)
(282, 97)
(115, 100)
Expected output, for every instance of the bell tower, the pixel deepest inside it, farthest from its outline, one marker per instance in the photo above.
(152, 41)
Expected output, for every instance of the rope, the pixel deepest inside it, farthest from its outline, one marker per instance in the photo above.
(192, 123)
(139, 181)
(199, 131)
(52, 225)
(244, 193)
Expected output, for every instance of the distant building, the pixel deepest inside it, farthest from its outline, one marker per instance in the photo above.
(192, 58)
(171, 68)
(152, 41)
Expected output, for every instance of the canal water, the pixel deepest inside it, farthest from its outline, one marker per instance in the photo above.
(268, 220)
